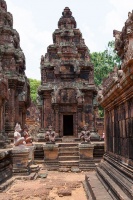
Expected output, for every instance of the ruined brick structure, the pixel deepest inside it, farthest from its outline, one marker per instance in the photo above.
(116, 97)
(12, 67)
(67, 81)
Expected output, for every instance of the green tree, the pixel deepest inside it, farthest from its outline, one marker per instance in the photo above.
(33, 88)
(104, 62)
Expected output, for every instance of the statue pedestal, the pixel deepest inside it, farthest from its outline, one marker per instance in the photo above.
(20, 159)
(51, 152)
(86, 156)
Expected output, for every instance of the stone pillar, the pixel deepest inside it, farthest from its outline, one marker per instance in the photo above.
(80, 117)
(91, 77)
(76, 125)
(105, 131)
(57, 120)
(47, 110)
(23, 116)
(20, 160)
(51, 152)
(42, 114)
(12, 109)
(17, 108)
(86, 156)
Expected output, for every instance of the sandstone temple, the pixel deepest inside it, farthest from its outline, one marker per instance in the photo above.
(67, 138)
(67, 86)
(14, 85)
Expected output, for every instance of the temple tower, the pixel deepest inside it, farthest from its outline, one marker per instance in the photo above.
(67, 81)
(12, 67)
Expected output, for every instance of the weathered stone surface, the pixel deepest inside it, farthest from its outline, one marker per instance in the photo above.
(51, 151)
(116, 97)
(42, 174)
(67, 85)
(64, 192)
(75, 169)
(14, 85)
(20, 159)
(5, 165)
(86, 150)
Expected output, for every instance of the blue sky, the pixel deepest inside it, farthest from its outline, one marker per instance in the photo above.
(36, 20)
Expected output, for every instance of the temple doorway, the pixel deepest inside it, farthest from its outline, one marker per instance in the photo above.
(67, 125)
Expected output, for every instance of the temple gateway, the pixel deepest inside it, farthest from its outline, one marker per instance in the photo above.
(67, 86)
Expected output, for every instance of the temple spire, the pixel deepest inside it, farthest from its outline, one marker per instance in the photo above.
(67, 20)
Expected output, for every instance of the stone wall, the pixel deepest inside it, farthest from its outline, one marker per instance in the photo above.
(116, 97)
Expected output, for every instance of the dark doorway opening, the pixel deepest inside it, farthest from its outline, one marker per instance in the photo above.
(67, 125)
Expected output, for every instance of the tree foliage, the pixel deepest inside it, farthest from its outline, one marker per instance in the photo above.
(33, 88)
(104, 62)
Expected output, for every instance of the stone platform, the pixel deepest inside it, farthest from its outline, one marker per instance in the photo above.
(69, 154)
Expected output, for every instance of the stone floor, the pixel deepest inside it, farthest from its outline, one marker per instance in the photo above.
(50, 185)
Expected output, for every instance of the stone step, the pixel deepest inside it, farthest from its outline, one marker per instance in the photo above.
(68, 139)
(68, 158)
(73, 153)
(114, 172)
(39, 161)
(95, 189)
(6, 184)
(68, 145)
(115, 191)
(68, 149)
(69, 163)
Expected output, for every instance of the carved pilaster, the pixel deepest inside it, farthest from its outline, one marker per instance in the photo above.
(56, 119)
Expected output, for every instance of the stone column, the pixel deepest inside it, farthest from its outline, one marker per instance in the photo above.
(86, 156)
(10, 124)
(91, 77)
(20, 160)
(23, 117)
(17, 107)
(42, 111)
(76, 125)
(57, 120)
(12, 109)
(105, 130)
(80, 117)
(51, 152)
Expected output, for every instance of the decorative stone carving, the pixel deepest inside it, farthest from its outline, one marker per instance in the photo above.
(12, 66)
(67, 79)
(117, 101)
(85, 134)
(50, 135)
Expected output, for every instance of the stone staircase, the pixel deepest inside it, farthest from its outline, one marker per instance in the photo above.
(68, 156)
(116, 177)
